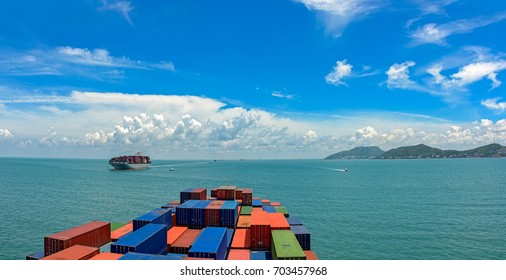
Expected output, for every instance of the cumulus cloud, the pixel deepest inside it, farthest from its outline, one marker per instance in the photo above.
(122, 7)
(398, 76)
(494, 104)
(61, 61)
(469, 74)
(337, 14)
(5, 133)
(340, 72)
(433, 33)
(197, 127)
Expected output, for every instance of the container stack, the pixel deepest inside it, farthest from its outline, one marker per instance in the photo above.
(230, 225)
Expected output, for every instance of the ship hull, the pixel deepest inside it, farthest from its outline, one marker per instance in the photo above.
(129, 166)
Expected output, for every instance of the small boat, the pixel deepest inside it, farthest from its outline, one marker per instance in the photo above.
(137, 161)
(172, 169)
(346, 170)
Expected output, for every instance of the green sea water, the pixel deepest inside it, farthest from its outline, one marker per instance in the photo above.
(445, 209)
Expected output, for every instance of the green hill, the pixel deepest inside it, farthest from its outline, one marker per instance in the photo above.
(358, 153)
(420, 151)
(424, 151)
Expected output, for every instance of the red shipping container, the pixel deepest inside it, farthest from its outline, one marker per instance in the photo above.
(198, 194)
(94, 234)
(238, 193)
(242, 239)
(278, 221)
(247, 197)
(238, 254)
(184, 242)
(226, 193)
(76, 252)
(106, 256)
(212, 213)
(260, 231)
(118, 233)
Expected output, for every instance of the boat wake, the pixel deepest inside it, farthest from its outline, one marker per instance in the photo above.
(341, 170)
(177, 164)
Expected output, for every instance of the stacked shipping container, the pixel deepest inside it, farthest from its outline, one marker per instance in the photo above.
(195, 227)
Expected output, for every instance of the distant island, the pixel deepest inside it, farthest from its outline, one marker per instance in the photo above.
(420, 151)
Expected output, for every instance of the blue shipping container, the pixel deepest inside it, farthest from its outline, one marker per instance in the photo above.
(260, 255)
(157, 216)
(211, 243)
(140, 256)
(198, 218)
(185, 195)
(150, 239)
(184, 212)
(230, 235)
(35, 256)
(293, 221)
(303, 236)
(256, 203)
(229, 213)
(269, 209)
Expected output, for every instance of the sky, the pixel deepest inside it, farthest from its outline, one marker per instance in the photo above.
(263, 79)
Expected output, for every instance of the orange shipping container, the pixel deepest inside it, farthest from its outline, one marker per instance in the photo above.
(257, 209)
(242, 239)
(238, 254)
(278, 221)
(76, 252)
(310, 255)
(94, 234)
(173, 234)
(275, 204)
(118, 233)
(106, 256)
(184, 242)
(244, 221)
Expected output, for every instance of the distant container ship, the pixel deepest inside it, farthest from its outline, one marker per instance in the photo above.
(137, 161)
(230, 224)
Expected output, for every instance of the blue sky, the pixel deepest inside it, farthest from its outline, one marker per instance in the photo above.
(249, 79)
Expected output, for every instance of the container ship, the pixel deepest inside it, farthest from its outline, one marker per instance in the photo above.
(137, 161)
(230, 224)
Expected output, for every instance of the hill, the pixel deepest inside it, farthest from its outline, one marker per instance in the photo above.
(424, 151)
(358, 153)
(420, 151)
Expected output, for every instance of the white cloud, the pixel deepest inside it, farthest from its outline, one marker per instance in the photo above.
(197, 127)
(469, 74)
(433, 33)
(340, 72)
(122, 7)
(428, 7)
(5, 133)
(280, 94)
(398, 76)
(494, 104)
(337, 14)
(96, 63)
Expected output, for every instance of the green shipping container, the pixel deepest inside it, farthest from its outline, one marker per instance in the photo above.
(281, 209)
(285, 246)
(246, 210)
(116, 225)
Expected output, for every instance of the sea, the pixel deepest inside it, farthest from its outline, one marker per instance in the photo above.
(419, 209)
